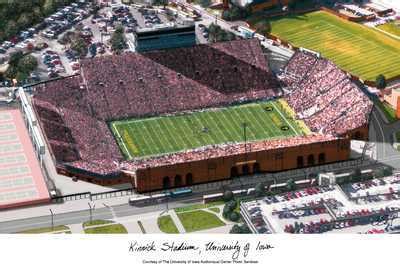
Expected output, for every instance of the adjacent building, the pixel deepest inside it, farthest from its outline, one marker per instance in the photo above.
(169, 36)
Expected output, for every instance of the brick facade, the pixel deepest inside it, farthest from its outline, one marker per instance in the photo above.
(185, 174)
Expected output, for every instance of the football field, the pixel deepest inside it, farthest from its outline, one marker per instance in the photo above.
(159, 135)
(355, 48)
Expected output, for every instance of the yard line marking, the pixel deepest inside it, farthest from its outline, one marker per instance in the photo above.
(135, 129)
(122, 141)
(285, 119)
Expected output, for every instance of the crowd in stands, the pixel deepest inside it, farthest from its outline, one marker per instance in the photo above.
(324, 96)
(74, 111)
(299, 64)
(216, 151)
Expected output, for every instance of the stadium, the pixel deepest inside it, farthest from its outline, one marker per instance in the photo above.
(185, 116)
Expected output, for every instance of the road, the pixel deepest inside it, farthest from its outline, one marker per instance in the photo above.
(124, 210)
(98, 213)
(381, 133)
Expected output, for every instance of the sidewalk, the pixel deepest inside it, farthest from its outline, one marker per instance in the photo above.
(69, 206)
(76, 228)
(177, 222)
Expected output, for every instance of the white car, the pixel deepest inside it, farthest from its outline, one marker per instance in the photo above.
(20, 45)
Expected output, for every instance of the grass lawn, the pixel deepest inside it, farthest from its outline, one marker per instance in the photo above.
(215, 209)
(391, 27)
(109, 229)
(199, 206)
(199, 220)
(167, 225)
(355, 48)
(96, 222)
(389, 112)
(159, 135)
(45, 230)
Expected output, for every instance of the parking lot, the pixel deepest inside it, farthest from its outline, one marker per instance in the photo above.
(55, 58)
(351, 208)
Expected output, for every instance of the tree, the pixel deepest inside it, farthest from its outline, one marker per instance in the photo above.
(229, 209)
(79, 45)
(217, 34)
(21, 76)
(93, 49)
(263, 27)
(231, 205)
(380, 81)
(11, 28)
(378, 173)
(235, 229)
(67, 37)
(226, 211)
(234, 216)
(240, 229)
(204, 3)
(245, 229)
(118, 41)
(387, 171)
(15, 58)
(290, 185)
(11, 72)
(230, 36)
(49, 7)
(24, 20)
(236, 13)
(228, 195)
(259, 190)
(27, 64)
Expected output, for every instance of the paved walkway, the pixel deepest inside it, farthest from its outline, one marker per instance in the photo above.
(76, 228)
(132, 227)
(177, 222)
(217, 230)
(150, 226)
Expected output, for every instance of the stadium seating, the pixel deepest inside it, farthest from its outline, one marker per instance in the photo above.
(74, 111)
(323, 96)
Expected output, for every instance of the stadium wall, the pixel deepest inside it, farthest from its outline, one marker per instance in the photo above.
(105, 180)
(346, 17)
(186, 174)
(361, 133)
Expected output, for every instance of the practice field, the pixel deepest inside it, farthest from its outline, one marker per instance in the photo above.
(391, 27)
(159, 135)
(357, 49)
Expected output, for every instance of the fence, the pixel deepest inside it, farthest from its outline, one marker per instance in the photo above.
(280, 177)
(111, 194)
(79, 196)
(93, 196)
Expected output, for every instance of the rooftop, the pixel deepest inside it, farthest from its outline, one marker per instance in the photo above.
(21, 179)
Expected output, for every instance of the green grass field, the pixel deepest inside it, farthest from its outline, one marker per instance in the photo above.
(96, 222)
(45, 230)
(387, 110)
(355, 48)
(159, 135)
(391, 27)
(167, 225)
(110, 229)
(199, 220)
